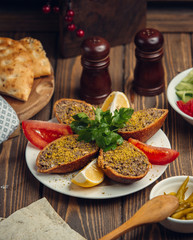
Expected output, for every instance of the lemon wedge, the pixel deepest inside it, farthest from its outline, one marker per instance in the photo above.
(115, 100)
(90, 176)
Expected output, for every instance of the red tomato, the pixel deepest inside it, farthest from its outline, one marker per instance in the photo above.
(186, 107)
(156, 155)
(40, 133)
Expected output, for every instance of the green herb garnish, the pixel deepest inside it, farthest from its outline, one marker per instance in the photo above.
(103, 129)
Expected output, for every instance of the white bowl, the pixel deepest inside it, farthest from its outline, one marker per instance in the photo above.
(168, 185)
(173, 98)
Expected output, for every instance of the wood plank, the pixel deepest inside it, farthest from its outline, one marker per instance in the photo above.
(116, 70)
(15, 179)
(91, 216)
(170, 20)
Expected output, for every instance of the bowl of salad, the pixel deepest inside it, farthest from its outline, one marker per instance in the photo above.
(180, 94)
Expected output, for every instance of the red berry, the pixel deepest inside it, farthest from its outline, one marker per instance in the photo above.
(70, 13)
(68, 18)
(80, 33)
(46, 8)
(56, 9)
(71, 27)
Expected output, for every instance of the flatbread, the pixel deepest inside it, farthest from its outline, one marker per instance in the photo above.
(16, 72)
(41, 64)
(36, 222)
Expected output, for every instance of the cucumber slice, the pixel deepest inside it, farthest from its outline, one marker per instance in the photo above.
(185, 96)
(184, 86)
(186, 83)
(184, 89)
(189, 77)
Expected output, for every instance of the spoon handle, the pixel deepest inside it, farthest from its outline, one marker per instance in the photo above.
(125, 227)
(155, 210)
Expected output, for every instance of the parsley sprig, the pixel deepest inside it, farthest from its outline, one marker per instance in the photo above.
(103, 129)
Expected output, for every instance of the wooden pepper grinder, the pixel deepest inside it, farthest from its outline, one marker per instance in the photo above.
(149, 72)
(95, 82)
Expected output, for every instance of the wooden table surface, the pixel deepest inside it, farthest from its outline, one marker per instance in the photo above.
(95, 218)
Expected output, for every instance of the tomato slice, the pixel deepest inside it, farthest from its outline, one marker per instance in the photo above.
(40, 133)
(186, 107)
(156, 155)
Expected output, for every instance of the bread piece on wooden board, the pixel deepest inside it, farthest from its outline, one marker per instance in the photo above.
(41, 64)
(65, 108)
(125, 164)
(65, 154)
(144, 124)
(16, 73)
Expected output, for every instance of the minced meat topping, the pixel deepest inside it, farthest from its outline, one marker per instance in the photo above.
(141, 119)
(127, 160)
(66, 109)
(65, 150)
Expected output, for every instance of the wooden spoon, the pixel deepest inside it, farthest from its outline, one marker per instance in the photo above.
(155, 210)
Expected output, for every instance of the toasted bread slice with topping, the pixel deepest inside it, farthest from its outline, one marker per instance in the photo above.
(125, 164)
(66, 108)
(144, 124)
(65, 154)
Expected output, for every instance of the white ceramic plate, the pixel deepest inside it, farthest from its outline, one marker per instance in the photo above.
(173, 98)
(108, 189)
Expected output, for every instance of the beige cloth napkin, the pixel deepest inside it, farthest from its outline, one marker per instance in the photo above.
(37, 221)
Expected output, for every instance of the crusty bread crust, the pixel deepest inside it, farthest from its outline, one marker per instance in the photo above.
(16, 72)
(116, 176)
(64, 114)
(146, 133)
(40, 63)
(65, 167)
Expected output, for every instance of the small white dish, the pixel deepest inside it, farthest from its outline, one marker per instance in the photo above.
(168, 185)
(173, 98)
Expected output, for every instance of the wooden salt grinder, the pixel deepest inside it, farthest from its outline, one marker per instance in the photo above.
(95, 82)
(149, 72)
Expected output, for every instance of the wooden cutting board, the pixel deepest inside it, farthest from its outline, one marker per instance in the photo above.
(42, 91)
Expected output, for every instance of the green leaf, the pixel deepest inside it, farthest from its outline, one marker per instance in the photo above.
(98, 115)
(121, 117)
(84, 135)
(103, 129)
